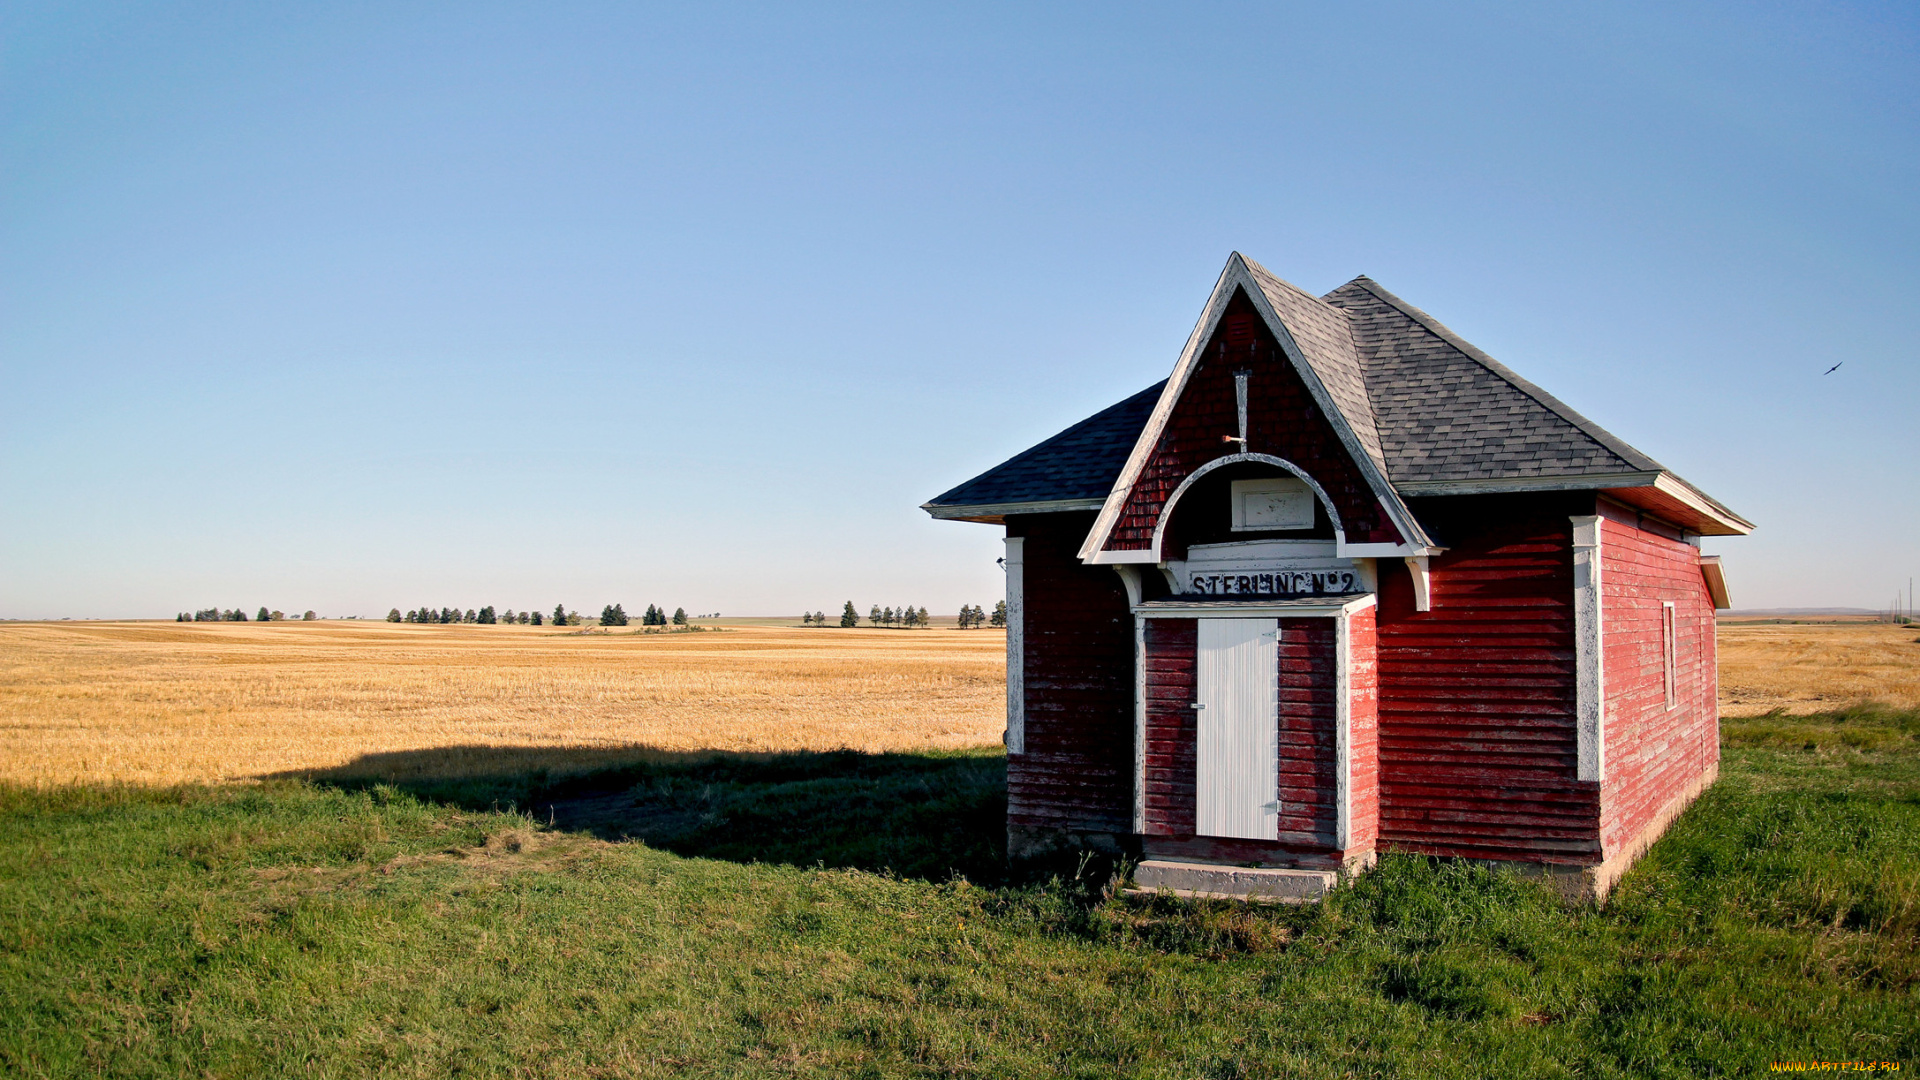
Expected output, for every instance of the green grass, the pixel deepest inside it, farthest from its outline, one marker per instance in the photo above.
(847, 915)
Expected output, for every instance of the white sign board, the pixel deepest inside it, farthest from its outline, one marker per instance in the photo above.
(1276, 503)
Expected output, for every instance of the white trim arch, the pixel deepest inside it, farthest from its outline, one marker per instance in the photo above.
(1166, 509)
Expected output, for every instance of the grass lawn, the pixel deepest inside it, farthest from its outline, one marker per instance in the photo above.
(847, 915)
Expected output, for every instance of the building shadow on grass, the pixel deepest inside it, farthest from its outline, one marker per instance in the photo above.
(929, 815)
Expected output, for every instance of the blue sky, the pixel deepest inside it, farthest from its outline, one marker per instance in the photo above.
(356, 306)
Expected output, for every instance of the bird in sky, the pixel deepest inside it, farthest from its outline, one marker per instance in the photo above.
(1833, 369)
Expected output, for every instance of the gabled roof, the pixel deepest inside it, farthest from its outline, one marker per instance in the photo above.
(1074, 470)
(1420, 409)
(1317, 342)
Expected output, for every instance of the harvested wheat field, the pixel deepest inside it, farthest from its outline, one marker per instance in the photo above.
(162, 703)
(1816, 667)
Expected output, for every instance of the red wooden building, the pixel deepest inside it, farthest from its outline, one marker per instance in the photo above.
(1345, 583)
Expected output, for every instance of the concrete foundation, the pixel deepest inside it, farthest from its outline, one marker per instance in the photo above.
(1210, 881)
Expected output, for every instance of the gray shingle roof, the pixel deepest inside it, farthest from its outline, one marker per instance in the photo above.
(1430, 409)
(1079, 463)
(1448, 411)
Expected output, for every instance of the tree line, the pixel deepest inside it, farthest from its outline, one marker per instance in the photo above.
(611, 615)
(240, 615)
(972, 616)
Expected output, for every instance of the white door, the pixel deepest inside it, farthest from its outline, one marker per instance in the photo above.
(1237, 768)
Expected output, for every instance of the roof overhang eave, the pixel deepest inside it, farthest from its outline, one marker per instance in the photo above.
(997, 513)
(1658, 492)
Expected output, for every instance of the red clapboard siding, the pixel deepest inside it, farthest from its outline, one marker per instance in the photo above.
(1363, 727)
(1653, 753)
(1478, 749)
(1077, 771)
(1286, 423)
(1168, 787)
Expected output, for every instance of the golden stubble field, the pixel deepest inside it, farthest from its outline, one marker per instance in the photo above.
(1811, 667)
(158, 703)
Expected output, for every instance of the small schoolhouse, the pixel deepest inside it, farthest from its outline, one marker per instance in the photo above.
(1344, 583)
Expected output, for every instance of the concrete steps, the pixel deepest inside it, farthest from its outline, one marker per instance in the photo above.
(1210, 881)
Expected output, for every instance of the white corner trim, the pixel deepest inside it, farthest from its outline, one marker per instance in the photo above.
(1589, 657)
(1342, 732)
(1236, 274)
(1139, 725)
(1422, 587)
(1130, 579)
(1016, 647)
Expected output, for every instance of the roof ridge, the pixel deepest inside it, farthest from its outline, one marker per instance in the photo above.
(1346, 320)
(1613, 443)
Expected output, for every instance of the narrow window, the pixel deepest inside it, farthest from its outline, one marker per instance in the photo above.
(1669, 665)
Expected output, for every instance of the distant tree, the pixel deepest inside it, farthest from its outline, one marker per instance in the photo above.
(486, 616)
(264, 616)
(848, 616)
(508, 616)
(679, 616)
(924, 620)
(309, 617)
(965, 619)
(237, 616)
(873, 616)
(182, 617)
(559, 614)
(886, 616)
(278, 616)
(1000, 613)
(806, 618)
(471, 616)
(529, 617)
(536, 618)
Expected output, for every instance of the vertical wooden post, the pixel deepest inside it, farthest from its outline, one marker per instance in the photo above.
(1016, 647)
